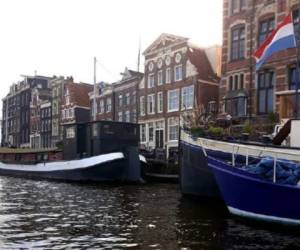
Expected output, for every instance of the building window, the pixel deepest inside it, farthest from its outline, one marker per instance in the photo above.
(151, 131)
(296, 22)
(243, 4)
(120, 100)
(265, 91)
(241, 81)
(168, 75)
(173, 128)
(173, 100)
(67, 97)
(134, 116)
(178, 73)
(187, 97)
(238, 43)
(236, 82)
(142, 105)
(151, 104)
(127, 116)
(230, 84)
(71, 113)
(143, 132)
(234, 6)
(134, 97)
(120, 116)
(236, 106)
(108, 105)
(292, 78)
(101, 106)
(150, 80)
(238, 5)
(70, 133)
(160, 102)
(265, 28)
(160, 77)
(127, 99)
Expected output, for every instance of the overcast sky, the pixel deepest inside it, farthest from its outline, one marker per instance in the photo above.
(61, 37)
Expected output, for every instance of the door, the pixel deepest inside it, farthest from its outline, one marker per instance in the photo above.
(159, 138)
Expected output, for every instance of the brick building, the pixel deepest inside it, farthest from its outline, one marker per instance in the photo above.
(118, 101)
(46, 124)
(105, 107)
(243, 91)
(16, 111)
(75, 103)
(125, 94)
(38, 96)
(179, 77)
(57, 86)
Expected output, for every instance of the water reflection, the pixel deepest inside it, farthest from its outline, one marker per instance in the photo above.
(41, 214)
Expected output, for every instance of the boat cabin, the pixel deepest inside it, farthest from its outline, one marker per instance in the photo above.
(99, 137)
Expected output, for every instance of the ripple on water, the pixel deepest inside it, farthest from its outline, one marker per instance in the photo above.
(52, 215)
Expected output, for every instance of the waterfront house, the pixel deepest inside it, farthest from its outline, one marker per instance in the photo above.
(179, 77)
(243, 91)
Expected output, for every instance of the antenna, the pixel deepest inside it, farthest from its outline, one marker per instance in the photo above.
(139, 54)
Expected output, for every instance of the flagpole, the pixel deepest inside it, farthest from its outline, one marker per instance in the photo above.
(296, 112)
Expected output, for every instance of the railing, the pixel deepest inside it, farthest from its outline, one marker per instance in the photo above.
(257, 151)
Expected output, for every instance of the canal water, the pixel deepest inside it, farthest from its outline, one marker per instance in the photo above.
(51, 215)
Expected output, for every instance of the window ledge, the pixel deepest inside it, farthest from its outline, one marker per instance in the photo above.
(172, 110)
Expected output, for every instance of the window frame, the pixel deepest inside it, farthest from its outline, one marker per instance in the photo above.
(180, 73)
(152, 97)
(150, 81)
(160, 102)
(268, 87)
(169, 99)
(189, 94)
(239, 45)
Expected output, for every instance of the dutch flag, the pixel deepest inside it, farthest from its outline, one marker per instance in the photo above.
(283, 37)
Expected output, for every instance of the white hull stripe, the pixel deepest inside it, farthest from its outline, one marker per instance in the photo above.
(263, 217)
(64, 165)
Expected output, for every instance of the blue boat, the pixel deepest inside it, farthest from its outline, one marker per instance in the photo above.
(245, 192)
(247, 195)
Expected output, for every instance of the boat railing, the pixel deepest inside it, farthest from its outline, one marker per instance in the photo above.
(249, 150)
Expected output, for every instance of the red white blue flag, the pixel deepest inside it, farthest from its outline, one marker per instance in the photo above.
(283, 37)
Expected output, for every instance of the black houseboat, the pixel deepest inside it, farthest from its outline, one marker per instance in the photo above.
(93, 151)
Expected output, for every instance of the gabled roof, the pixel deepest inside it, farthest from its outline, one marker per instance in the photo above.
(199, 58)
(164, 40)
(127, 74)
(79, 93)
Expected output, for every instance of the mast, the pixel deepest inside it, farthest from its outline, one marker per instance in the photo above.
(94, 96)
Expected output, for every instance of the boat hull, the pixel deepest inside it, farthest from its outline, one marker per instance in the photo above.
(103, 168)
(196, 178)
(110, 171)
(248, 196)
